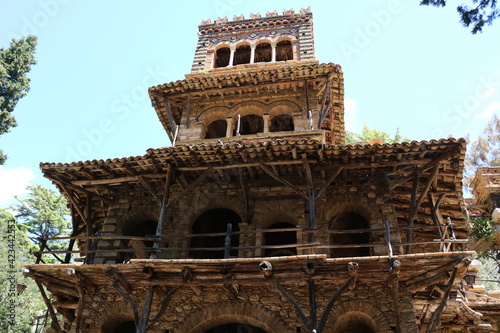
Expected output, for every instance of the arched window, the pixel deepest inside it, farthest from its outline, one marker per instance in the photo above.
(242, 55)
(214, 221)
(216, 129)
(350, 221)
(263, 52)
(284, 50)
(235, 328)
(251, 124)
(141, 229)
(222, 56)
(280, 238)
(355, 322)
(282, 122)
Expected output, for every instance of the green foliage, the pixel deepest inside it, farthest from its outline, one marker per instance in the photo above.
(482, 228)
(15, 63)
(17, 310)
(482, 12)
(490, 269)
(373, 133)
(44, 213)
(485, 150)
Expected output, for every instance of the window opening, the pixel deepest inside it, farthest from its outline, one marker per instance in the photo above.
(350, 221)
(242, 55)
(263, 52)
(222, 57)
(282, 122)
(216, 129)
(251, 124)
(284, 50)
(143, 229)
(214, 221)
(280, 238)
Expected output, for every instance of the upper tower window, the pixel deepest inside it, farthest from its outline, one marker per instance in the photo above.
(251, 124)
(284, 50)
(282, 122)
(216, 129)
(222, 57)
(242, 55)
(263, 52)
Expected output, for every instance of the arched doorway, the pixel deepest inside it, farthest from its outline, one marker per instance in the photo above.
(214, 221)
(280, 238)
(355, 322)
(350, 221)
(235, 328)
(140, 229)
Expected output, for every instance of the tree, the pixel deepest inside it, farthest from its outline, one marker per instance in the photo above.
(15, 63)
(20, 301)
(482, 12)
(373, 133)
(484, 151)
(45, 215)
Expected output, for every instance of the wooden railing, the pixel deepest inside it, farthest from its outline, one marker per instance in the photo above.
(445, 242)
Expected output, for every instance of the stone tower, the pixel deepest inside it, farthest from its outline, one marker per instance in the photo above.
(259, 218)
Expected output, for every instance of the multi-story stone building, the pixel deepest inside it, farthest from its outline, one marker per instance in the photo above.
(259, 218)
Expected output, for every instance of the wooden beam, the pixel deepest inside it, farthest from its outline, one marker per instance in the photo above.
(150, 188)
(191, 186)
(436, 316)
(328, 182)
(329, 306)
(283, 181)
(48, 304)
(118, 278)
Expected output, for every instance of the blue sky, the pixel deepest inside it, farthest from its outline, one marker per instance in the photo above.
(405, 66)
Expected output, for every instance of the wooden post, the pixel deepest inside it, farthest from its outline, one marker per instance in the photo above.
(55, 323)
(161, 218)
(332, 301)
(143, 324)
(227, 241)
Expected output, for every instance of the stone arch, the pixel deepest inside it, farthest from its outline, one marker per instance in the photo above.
(139, 221)
(282, 114)
(353, 212)
(279, 220)
(284, 50)
(214, 221)
(284, 107)
(222, 53)
(116, 315)
(191, 207)
(251, 117)
(242, 54)
(215, 124)
(231, 312)
(365, 313)
(263, 51)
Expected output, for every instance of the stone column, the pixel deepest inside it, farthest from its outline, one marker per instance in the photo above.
(273, 46)
(231, 57)
(266, 123)
(229, 127)
(252, 53)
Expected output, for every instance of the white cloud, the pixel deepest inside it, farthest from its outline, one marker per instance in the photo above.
(351, 115)
(14, 182)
